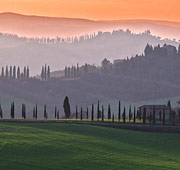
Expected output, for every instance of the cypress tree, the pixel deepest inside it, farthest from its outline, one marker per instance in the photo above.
(7, 72)
(81, 114)
(92, 113)
(164, 114)
(66, 106)
(42, 73)
(109, 112)
(98, 112)
(69, 72)
(48, 73)
(119, 111)
(23, 111)
(55, 114)
(144, 116)
(12, 111)
(76, 113)
(25, 72)
(124, 115)
(1, 112)
(130, 114)
(134, 115)
(28, 74)
(87, 113)
(45, 72)
(66, 72)
(58, 114)
(11, 74)
(170, 112)
(102, 113)
(18, 73)
(14, 72)
(2, 73)
(34, 113)
(45, 112)
(154, 115)
(36, 116)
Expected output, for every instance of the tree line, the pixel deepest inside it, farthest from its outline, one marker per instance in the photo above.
(133, 115)
(15, 73)
(45, 72)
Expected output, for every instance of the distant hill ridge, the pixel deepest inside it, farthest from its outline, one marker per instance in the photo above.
(53, 26)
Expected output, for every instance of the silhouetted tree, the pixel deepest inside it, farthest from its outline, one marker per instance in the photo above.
(102, 113)
(92, 113)
(66, 106)
(170, 112)
(124, 115)
(154, 115)
(119, 111)
(1, 112)
(14, 72)
(45, 112)
(98, 111)
(48, 73)
(18, 73)
(164, 114)
(130, 114)
(11, 74)
(23, 111)
(25, 72)
(144, 116)
(87, 113)
(76, 112)
(45, 72)
(42, 73)
(12, 111)
(81, 114)
(134, 115)
(2, 72)
(28, 74)
(36, 116)
(7, 72)
(109, 112)
(55, 112)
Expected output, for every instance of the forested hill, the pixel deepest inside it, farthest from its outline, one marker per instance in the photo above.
(160, 64)
(59, 52)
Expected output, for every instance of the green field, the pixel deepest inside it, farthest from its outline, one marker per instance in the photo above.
(71, 146)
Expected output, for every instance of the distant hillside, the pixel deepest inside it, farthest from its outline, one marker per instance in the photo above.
(90, 49)
(51, 27)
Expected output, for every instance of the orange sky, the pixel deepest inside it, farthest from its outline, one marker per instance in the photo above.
(97, 9)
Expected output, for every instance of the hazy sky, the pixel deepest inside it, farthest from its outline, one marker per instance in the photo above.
(97, 9)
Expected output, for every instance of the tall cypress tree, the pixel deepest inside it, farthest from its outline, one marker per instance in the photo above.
(7, 72)
(25, 72)
(45, 112)
(109, 112)
(76, 112)
(12, 111)
(144, 116)
(45, 72)
(124, 115)
(119, 111)
(28, 74)
(2, 73)
(87, 113)
(14, 72)
(170, 112)
(48, 73)
(18, 73)
(42, 73)
(134, 115)
(154, 115)
(98, 111)
(130, 114)
(164, 114)
(102, 113)
(81, 114)
(1, 112)
(92, 113)
(55, 112)
(10, 72)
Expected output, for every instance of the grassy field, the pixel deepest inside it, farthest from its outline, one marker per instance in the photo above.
(70, 146)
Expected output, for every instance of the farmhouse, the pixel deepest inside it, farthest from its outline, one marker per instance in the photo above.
(158, 109)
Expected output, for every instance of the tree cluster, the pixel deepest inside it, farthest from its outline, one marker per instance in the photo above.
(45, 73)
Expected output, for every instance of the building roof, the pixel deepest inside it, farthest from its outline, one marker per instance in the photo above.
(156, 106)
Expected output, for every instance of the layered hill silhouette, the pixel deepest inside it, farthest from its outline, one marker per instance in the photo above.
(51, 27)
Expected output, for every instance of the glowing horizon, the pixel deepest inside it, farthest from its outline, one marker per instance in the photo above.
(96, 9)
